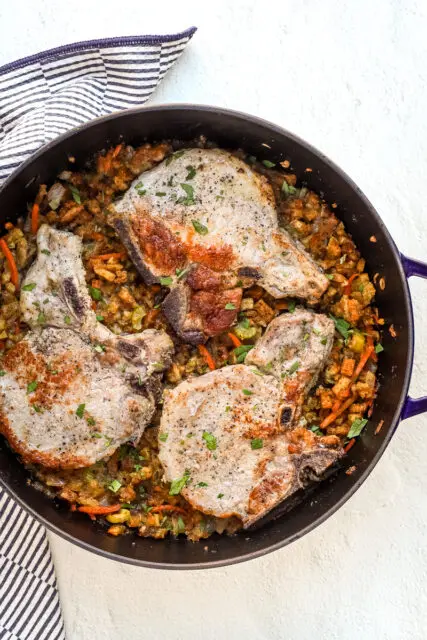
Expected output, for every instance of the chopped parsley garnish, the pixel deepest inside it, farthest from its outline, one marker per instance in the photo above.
(191, 172)
(291, 306)
(227, 408)
(220, 495)
(247, 392)
(356, 428)
(199, 227)
(379, 347)
(294, 367)
(178, 485)
(181, 273)
(32, 386)
(114, 486)
(244, 322)
(36, 408)
(76, 194)
(80, 410)
(330, 276)
(324, 341)
(67, 319)
(180, 525)
(163, 437)
(46, 251)
(91, 421)
(189, 192)
(268, 164)
(95, 294)
(166, 281)
(230, 306)
(306, 337)
(2, 373)
(29, 287)
(257, 443)
(160, 194)
(100, 318)
(251, 159)
(288, 189)
(177, 154)
(242, 351)
(210, 440)
(99, 348)
(202, 484)
(41, 318)
(317, 430)
(342, 326)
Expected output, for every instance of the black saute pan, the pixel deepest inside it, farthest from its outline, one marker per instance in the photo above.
(232, 130)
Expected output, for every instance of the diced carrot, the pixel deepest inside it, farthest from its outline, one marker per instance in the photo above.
(150, 317)
(347, 288)
(207, 356)
(349, 445)
(14, 276)
(234, 339)
(117, 150)
(99, 510)
(167, 507)
(335, 414)
(35, 218)
(347, 367)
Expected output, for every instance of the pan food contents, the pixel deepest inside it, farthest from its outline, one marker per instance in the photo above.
(183, 221)
(133, 277)
(230, 433)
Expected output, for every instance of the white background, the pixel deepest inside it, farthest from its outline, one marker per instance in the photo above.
(350, 77)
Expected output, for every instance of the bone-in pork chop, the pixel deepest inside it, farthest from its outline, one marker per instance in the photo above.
(204, 223)
(72, 391)
(222, 435)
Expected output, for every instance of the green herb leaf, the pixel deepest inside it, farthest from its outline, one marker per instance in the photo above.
(114, 486)
(288, 189)
(99, 348)
(247, 392)
(189, 192)
(91, 421)
(210, 440)
(29, 287)
(36, 408)
(46, 251)
(330, 276)
(242, 351)
(180, 525)
(178, 485)
(166, 281)
(32, 386)
(177, 154)
(227, 408)
(127, 505)
(324, 341)
(257, 443)
(41, 318)
(160, 194)
(202, 484)
(356, 428)
(191, 172)
(96, 294)
(67, 319)
(379, 347)
(181, 273)
(230, 306)
(100, 318)
(342, 326)
(199, 227)
(220, 495)
(2, 373)
(163, 437)
(76, 194)
(291, 306)
(317, 430)
(244, 322)
(268, 164)
(80, 410)
(294, 367)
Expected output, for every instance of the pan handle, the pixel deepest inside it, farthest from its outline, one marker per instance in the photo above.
(414, 406)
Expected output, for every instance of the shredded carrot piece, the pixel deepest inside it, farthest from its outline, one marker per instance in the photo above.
(234, 339)
(150, 317)
(73, 507)
(363, 360)
(14, 276)
(96, 236)
(107, 162)
(207, 356)
(336, 405)
(349, 445)
(107, 256)
(35, 218)
(335, 414)
(379, 427)
(167, 507)
(347, 288)
(99, 510)
(117, 150)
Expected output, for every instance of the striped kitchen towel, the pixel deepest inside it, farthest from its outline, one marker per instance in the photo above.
(41, 97)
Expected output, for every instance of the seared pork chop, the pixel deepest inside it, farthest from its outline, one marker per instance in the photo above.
(223, 434)
(69, 361)
(62, 406)
(203, 220)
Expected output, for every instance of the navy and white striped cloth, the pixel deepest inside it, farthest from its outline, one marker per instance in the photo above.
(41, 97)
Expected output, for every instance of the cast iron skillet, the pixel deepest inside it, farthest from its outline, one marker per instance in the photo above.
(232, 130)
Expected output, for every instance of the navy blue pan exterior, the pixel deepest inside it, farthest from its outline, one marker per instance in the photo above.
(232, 130)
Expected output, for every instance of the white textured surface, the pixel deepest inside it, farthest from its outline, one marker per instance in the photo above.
(349, 77)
